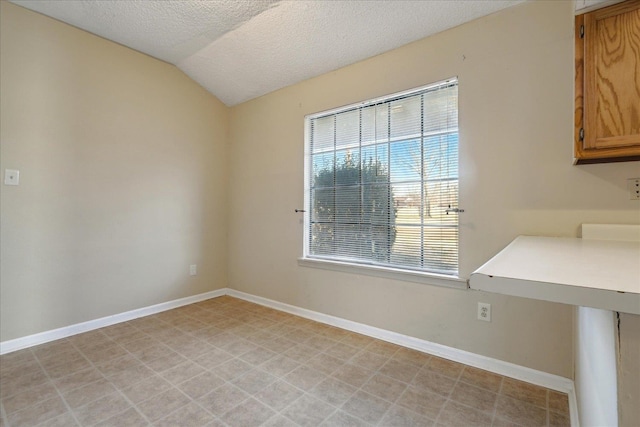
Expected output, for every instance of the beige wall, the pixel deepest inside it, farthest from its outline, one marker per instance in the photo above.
(516, 112)
(122, 163)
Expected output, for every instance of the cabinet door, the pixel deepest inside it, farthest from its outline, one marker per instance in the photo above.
(611, 97)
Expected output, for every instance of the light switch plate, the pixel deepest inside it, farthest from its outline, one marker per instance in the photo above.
(11, 177)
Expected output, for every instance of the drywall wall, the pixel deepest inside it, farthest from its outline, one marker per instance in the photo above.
(122, 163)
(515, 70)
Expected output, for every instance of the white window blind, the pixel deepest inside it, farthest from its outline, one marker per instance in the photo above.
(381, 176)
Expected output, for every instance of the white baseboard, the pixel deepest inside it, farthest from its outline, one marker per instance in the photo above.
(67, 331)
(543, 379)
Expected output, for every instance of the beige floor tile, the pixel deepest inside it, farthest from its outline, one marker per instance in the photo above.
(530, 393)
(22, 383)
(475, 397)
(558, 402)
(279, 345)
(146, 389)
(481, 378)
(333, 391)
(422, 401)
(457, 414)
(11, 360)
(325, 363)
(77, 379)
(254, 381)
(10, 372)
(384, 387)
(213, 358)
(63, 420)
(101, 409)
(128, 418)
(559, 420)
(343, 419)
(431, 381)
(88, 393)
(152, 352)
(261, 338)
(231, 369)
(222, 399)
(308, 411)
(382, 348)
(353, 375)
(400, 371)
(53, 348)
(368, 360)
(29, 397)
(319, 342)
(191, 415)
(356, 340)
(342, 351)
(68, 367)
(280, 365)
(140, 344)
(130, 377)
(304, 377)
(200, 385)
(250, 364)
(182, 372)
(38, 413)
(520, 412)
(279, 421)
(445, 367)
(118, 365)
(132, 335)
(249, 413)
(501, 422)
(366, 407)
(415, 357)
(239, 347)
(162, 404)
(167, 362)
(278, 395)
(397, 416)
(258, 356)
(298, 335)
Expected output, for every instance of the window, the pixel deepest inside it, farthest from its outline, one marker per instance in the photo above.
(381, 182)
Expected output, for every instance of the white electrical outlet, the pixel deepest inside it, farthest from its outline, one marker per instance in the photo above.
(634, 188)
(193, 269)
(484, 311)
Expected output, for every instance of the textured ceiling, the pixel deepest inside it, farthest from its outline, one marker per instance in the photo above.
(241, 49)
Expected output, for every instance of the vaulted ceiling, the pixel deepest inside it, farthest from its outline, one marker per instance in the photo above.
(242, 49)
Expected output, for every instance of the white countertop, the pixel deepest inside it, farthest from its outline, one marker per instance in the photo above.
(592, 273)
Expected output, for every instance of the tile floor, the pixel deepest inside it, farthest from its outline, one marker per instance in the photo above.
(228, 362)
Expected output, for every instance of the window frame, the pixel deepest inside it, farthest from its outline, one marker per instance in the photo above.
(391, 272)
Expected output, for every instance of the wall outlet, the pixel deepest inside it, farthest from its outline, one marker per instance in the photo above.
(484, 311)
(193, 270)
(634, 188)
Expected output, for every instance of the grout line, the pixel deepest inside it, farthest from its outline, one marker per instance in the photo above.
(64, 401)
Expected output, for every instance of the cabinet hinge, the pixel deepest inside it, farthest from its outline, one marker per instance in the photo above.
(581, 134)
(581, 31)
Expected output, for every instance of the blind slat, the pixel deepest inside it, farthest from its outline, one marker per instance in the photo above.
(381, 179)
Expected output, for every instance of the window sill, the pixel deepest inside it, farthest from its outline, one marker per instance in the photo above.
(388, 273)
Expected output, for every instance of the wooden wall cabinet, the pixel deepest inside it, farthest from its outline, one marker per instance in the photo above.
(607, 110)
